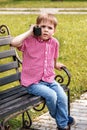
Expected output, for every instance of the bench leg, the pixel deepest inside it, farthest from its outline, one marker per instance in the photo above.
(26, 123)
(69, 102)
(4, 127)
(69, 105)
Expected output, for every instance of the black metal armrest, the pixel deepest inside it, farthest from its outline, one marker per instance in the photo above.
(60, 79)
(4, 29)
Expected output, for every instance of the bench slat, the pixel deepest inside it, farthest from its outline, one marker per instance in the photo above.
(9, 79)
(12, 94)
(9, 66)
(8, 53)
(5, 40)
(12, 97)
(23, 103)
(14, 101)
(10, 90)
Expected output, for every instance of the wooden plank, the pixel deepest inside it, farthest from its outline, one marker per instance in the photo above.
(11, 90)
(21, 105)
(5, 40)
(9, 79)
(7, 53)
(13, 101)
(8, 66)
(16, 93)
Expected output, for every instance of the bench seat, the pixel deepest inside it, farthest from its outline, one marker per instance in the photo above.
(16, 99)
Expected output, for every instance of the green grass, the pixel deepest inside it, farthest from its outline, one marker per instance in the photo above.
(72, 35)
(42, 3)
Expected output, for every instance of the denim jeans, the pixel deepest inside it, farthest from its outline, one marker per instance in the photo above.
(56, 100)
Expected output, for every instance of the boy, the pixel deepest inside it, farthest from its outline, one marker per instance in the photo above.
(40, 55)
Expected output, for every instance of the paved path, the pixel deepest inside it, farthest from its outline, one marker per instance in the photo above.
(39, 10)
(78, 110)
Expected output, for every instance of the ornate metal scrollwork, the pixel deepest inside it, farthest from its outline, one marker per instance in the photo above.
(7, 127)
(60, 78)
(4, 29)
(37, 108)
(26, 122)
(4, 127)
(65, 83)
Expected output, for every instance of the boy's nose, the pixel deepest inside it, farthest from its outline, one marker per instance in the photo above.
(46, 28)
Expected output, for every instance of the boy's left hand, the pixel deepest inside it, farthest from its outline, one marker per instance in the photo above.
(59, 65)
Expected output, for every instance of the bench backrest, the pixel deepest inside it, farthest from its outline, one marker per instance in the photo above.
(9, 65)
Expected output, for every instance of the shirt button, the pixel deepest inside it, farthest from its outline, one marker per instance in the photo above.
(44, 70)
(46, 52)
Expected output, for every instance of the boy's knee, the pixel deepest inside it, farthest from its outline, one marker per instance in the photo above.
(52, 97)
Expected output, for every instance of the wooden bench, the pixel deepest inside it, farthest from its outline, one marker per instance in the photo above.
(14, 99)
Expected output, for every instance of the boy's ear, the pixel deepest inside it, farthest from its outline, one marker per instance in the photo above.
(54, 29)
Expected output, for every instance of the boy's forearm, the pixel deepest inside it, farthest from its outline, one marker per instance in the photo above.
(18, 40)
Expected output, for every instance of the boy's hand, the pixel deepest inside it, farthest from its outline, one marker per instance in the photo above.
(31, 29)
(59, 65)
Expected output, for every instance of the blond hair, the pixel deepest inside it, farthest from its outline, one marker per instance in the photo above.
(47, 17)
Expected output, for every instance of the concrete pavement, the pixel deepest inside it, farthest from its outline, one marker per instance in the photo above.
(42, 10)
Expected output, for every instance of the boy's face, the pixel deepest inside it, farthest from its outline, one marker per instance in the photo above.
(47, 30)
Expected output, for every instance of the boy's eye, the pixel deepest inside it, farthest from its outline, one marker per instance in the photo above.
(50, 28)
(43, 26)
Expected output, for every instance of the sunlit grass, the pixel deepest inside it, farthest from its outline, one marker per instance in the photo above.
(42, 3)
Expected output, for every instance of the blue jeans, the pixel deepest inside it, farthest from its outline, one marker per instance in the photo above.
(56, 100)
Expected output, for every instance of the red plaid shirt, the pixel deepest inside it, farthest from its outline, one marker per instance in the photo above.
(38, 60)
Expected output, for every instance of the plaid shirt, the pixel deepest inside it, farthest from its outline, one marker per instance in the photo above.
(38, 60)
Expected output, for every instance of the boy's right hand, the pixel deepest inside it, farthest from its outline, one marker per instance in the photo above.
(31, 29)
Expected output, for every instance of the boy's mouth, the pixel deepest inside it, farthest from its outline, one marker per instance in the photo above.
(45, 34)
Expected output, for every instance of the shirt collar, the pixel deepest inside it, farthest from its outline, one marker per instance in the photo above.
(42, 41)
